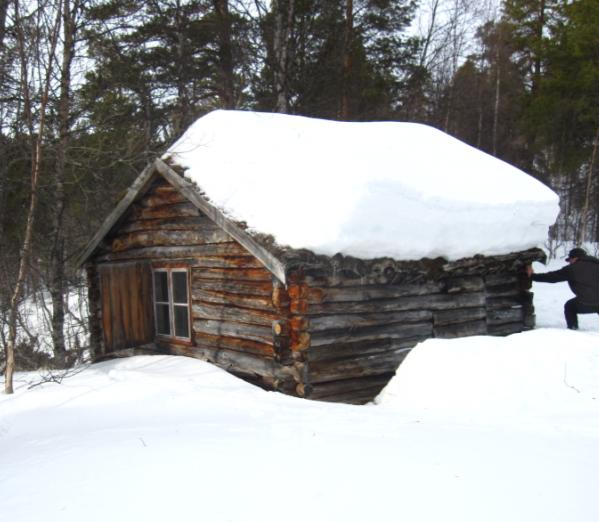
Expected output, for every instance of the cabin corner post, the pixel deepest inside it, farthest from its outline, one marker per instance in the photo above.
(96, 344)
(290, 333)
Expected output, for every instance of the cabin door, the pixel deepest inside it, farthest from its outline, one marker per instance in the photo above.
(127, 318)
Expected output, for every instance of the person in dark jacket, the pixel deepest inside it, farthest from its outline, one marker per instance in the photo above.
(582, 274)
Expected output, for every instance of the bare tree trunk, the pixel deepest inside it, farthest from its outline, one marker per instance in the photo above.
(57, 257)
(3, 11)
(226, 83)
(497, 99)
(344, 111)
(587, 196)
(36, 163)
(281, 52)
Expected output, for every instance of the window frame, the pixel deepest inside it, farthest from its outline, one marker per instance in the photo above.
(169, 270)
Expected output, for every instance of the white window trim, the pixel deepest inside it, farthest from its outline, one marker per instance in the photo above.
(171, 304)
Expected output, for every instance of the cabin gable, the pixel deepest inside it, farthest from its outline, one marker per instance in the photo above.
(232, 298)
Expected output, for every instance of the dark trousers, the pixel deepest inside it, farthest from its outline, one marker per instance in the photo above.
(571, 310)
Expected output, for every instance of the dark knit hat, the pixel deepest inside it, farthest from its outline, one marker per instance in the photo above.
(576, 252)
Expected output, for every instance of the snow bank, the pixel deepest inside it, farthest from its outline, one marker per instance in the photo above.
(545, 376)
(369, 190)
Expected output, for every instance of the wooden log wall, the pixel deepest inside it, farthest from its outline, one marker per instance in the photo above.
(234, 300)
(351, 326)
(339, 329)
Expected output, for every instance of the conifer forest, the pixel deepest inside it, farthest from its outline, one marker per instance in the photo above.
(91, 90)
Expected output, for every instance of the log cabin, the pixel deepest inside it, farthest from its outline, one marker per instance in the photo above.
(214, 252)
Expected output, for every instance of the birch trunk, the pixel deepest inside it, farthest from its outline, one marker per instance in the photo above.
(36, 163)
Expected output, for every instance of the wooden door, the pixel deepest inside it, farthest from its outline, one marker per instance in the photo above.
(127, 317)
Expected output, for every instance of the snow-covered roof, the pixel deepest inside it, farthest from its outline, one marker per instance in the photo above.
(369, 190)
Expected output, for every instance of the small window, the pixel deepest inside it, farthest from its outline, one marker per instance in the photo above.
(171, 303)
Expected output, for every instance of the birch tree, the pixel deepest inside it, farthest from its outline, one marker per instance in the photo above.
(37, 66)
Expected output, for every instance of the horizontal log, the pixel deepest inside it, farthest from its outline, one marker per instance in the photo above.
(263, 303)
(337, 322)
(227, 262)
(363, 390)
(262, 334)
(242, 364)
(452, 331)
(405, 332)
(346, 350)
(455, 285)
(247, 288)
(495, 303)
(179, 223)
(174, 252)
(233, 313)
(159, 238)
(506, 328)
(366, 293)
(163, 212)
(460, 315)
(421, 302)
(234, 274)
(501, 279)
(162, 198)
(355, 367)
(161, 186)
(505, 315)
(503, 291)
(234, 343)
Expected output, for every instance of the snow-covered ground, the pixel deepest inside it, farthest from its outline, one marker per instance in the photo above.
(471, 430)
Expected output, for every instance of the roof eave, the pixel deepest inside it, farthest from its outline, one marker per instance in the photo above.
(270, 262)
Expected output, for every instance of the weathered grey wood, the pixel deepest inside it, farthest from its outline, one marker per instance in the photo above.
(501, 279)
(263, 303)
(235, 362)
(360, 348)
(455, 285)
(336, 322)
(258, 333)
(233, 343)
(161, 198)
(362, 303)
(408, 331)
(497, 303)
(248, 288)
(227, 262)
(505, 315)
(351, 391)
(137, 212)
(142, 182)
(233, 313)
(270, 262)
(506, 328)
(367, 293)
(460, 315)
(174, 252)
(234, 274)
(451, 331)
(156, 238)
(377, 364)
(177, 223)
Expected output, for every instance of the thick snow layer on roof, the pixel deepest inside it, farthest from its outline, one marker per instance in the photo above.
(369, 190)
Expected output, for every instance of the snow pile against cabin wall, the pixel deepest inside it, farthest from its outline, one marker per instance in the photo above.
(368, 190)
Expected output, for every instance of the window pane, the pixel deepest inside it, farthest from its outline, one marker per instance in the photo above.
(181, 321)
(163, 322)
(161, 286)
(180, 287)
